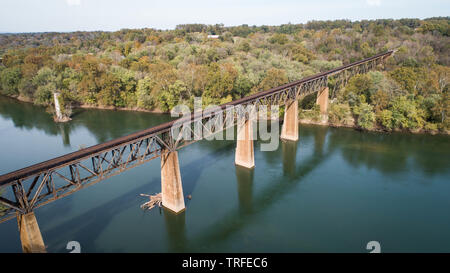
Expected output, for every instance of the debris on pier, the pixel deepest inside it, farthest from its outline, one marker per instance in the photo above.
(154, 200)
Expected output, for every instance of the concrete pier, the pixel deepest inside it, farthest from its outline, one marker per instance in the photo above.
(59, 115)
(171, 187)
(30, 234)
(289, 130)
(57, 106)
(322, 101)
(245, 156)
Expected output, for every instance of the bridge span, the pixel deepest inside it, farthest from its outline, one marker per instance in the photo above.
(29, 188)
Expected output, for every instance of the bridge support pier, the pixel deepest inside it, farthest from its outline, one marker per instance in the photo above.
(59, 115)
(289, 131)
(171, 187)
(322, 101)
(30, 234)
(245, 156)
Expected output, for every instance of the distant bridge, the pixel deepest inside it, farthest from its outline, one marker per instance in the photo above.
(34, 186)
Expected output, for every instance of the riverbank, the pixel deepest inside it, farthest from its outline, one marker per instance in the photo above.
(374, 129)
(88, 106)
(352, 124)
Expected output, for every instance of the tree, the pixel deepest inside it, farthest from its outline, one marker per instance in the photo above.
(366, 117)
(195, 78)
(10, 78)
(405, 114)
(110, 88)
(279, 38)
(127, 88)
(358, 85)
(146, 95)
(414, 80)
(380, 100)
(44, 94)
(242, 86)
(168, 99)
(442, 107)
(46, 83)
(384, 118)
(220, 82)
(300, 54)
(340, 114)
(273, 78)
(26, 87)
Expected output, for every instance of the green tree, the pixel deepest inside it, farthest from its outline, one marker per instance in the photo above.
(301, 54)
(366, 116)
(220, 82)
(26, 87)
(168, 99)
(442, 107)
(243, 86)
(405, 114)
(358, 85)
(273, 78)
(46, 82)
(10, 78)
(279, 38)
(146, 95)
(384, 118)
(110, 89)
(340, 114)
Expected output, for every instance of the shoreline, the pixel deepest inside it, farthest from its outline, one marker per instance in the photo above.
(375, 129)
(88, 106)
(300, 121)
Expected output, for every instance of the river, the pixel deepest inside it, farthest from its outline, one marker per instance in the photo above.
(334, 190)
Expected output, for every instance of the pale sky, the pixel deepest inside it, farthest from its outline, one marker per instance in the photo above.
(111, 15)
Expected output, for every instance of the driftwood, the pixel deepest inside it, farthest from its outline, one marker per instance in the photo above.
(154, 200)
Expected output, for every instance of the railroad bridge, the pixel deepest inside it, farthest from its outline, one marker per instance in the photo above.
(29, 188)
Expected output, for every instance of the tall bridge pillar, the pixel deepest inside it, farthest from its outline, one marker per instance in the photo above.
(244, 150)
(59, 115)
(30, 234)
(322, 101)
(289, 131)
(171, 187)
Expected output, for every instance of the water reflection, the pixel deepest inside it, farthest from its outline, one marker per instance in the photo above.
(234, 220)
(176, 230)
(89, 226)
(64, 131)
(103, 124)
(244, 178)
(392, 153)
(289, 151)
(319, 139)
(27, 116)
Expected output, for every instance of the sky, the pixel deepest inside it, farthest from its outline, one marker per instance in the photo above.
(112, 15)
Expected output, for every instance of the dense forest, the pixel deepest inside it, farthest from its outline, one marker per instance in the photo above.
(154, 70)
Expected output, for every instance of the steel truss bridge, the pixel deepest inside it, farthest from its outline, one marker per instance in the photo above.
(39, 184)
